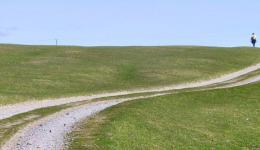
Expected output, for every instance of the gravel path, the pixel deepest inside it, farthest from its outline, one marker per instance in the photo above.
(243, 82)
(11, 110)
(50, 133)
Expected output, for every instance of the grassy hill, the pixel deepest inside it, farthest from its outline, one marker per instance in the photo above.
(38, 72)
(216, 119)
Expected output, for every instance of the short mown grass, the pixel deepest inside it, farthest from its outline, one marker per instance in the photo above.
(39, 72)
(214, 120)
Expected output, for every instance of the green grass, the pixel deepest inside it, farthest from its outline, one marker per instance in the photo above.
(38, 72)
(216, 119)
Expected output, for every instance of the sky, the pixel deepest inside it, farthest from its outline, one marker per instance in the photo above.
(129, 22)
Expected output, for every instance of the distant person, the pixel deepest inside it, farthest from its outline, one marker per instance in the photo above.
(253, 39)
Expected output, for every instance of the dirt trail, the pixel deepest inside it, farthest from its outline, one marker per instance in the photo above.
(244, 82)
(11, 110)
(50, 132)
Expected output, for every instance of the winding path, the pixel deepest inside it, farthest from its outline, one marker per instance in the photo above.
(11, 110)
(50, 133)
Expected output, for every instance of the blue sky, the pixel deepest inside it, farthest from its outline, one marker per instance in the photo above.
(129, 22)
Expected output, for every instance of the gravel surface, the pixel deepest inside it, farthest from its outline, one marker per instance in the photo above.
(11, 110)
(243, 82)
(50, 133)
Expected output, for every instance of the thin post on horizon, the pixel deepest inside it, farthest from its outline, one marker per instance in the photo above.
(56, 42)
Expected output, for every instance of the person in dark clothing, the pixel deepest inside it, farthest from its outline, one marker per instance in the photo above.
(253, 39)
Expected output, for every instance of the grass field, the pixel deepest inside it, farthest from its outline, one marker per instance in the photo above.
(218, 119)
(214, 120)
(38, 72)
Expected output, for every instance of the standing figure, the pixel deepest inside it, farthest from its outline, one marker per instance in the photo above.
(253, 39)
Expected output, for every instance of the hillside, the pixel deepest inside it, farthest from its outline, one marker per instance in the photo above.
(39, 72)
